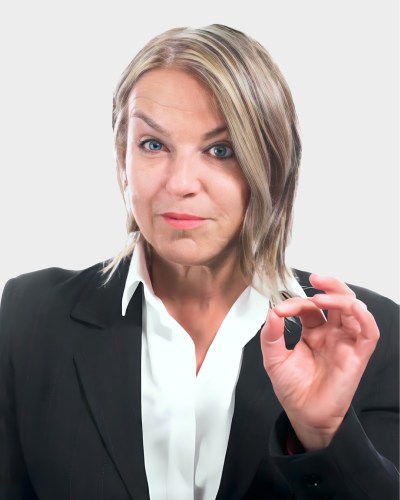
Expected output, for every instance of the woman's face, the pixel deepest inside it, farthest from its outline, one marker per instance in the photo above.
(187, 192)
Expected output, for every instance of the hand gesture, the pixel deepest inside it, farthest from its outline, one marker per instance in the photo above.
(315, 382)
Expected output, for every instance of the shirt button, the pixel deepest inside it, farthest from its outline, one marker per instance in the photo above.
(312, 479)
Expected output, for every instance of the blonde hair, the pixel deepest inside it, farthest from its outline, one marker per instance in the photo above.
(256, 102)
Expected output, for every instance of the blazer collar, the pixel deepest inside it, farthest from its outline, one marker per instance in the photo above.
(100, 302)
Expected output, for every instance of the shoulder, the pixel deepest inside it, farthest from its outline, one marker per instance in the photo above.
(38, 304)
(39, 283)
(56, 292)
(25, 295)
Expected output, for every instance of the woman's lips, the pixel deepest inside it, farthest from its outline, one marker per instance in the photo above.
(183, 221)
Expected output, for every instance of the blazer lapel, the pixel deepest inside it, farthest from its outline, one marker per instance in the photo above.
(109, 368)
(255, 408)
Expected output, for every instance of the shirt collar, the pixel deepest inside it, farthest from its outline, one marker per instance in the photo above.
(138, 273)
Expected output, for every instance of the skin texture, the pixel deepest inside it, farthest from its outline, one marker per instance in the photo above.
(179, 160)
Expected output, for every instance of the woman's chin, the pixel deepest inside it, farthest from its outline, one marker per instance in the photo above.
(192, 253)
(182, 254)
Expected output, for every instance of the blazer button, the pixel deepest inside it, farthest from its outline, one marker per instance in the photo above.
(312, 479)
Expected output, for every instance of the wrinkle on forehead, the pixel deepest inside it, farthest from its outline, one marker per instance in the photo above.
(168, 88)
(134, 100)
(176, 102)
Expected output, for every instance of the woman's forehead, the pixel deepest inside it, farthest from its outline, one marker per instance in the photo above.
(171, 83)
(173, 93)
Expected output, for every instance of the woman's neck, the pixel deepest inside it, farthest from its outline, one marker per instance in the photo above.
(198, 297)
(199, 284)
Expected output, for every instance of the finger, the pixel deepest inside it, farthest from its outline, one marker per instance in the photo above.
(309, 313)
(330, 285)
(349, 323)
(273, 341)
(334, 301)
(369, 328)
(339, 309)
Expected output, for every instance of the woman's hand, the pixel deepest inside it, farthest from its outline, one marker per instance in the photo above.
(315, 382)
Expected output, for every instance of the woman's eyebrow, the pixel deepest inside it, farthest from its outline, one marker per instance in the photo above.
(154, 125)
(214, 132)
(150, 122)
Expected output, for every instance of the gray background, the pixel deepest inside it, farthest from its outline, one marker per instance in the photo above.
(60, 205)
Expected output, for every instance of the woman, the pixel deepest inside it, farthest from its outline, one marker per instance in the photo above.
(198, 388)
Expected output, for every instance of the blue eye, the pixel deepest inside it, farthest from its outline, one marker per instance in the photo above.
(151, 145)
(221, 151)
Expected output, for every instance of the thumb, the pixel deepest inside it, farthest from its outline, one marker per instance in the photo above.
(273, 341)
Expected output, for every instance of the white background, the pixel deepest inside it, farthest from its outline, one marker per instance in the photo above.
(60, 205)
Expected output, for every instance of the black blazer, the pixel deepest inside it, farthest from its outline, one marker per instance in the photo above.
(70, 404)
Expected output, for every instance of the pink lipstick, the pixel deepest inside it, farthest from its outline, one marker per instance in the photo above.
(183, 221)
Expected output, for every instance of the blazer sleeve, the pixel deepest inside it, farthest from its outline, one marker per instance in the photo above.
(14, 479)
(362, 458)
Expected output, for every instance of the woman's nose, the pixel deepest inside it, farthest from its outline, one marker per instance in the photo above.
(183, 176)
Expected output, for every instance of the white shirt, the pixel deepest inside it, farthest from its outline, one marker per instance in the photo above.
(187, 418)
